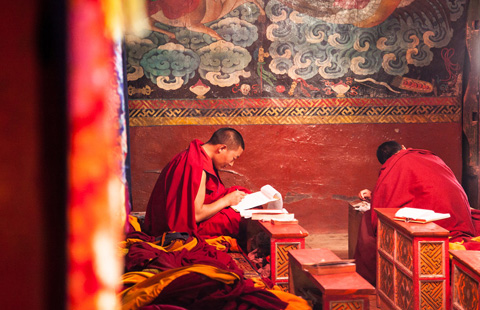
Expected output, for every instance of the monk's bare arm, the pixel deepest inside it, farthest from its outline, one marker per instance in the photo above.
(206, 211)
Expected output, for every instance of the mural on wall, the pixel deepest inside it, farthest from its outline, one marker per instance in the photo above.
(297, 62)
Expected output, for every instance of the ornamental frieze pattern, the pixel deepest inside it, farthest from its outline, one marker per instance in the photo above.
(405, 251)
(386, 238)
(281, 263)
(347, 305)
(465, 291)
(404, 291)
(431, 258)
(386, 270)
(292, 111)
(432, 295)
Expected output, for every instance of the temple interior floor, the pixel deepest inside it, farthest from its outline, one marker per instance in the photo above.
(337, 243)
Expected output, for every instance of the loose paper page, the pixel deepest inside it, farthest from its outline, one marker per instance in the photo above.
(277, 203)
(265, 195)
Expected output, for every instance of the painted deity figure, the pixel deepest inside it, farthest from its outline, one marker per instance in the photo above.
(192, 14)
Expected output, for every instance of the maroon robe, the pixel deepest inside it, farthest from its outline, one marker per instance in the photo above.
(172, 203)
(195, 291)
(416, 179)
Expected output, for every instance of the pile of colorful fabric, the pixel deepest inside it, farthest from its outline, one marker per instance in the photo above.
(180, 271)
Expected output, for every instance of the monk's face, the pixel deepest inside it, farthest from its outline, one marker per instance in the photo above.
(226, 157)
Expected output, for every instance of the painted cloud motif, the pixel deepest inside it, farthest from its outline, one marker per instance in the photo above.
(136, 49)
(304, 46)
(303, 41)
(170, 66)
(222, 63)
(237, 31)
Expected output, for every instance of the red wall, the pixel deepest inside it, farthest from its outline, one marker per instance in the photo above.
(316, 168)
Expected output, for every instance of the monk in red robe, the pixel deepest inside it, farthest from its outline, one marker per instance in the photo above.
(189, 195)
(417, 179)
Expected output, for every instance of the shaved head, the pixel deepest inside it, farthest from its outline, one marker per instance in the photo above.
(228, 136)
(387, 150)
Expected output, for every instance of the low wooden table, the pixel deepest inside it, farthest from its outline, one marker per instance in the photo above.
(465, 280)
(412, 264)
(283, 238)
(334, 291)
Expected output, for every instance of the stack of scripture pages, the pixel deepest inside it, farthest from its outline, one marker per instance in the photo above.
(280, 218)
(250, 212)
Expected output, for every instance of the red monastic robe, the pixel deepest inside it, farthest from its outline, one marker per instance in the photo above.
(172, 203)
(417, 179)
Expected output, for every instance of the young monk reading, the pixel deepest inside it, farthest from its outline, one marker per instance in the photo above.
(189, 195)
(417, 179)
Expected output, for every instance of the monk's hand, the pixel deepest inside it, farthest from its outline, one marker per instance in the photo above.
(365, 195)
(235, 197)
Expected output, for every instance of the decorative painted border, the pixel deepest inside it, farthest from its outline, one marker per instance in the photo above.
(431, 258)
(465, 290)
(251, 111)
(281, 261)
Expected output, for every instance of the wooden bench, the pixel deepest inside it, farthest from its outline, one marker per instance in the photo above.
(465, 280)
(412, 264)
(283, 238)
(329, 291)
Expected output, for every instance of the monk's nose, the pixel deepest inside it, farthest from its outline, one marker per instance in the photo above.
(231, 164)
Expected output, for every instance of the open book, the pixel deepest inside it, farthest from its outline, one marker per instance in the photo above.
(266, 195)
(419, 215)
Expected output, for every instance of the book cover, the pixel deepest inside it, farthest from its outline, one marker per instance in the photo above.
(283, 222)
(331, 267)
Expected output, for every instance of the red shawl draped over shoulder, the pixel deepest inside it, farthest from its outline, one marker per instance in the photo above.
(417, 179)
(172, 203)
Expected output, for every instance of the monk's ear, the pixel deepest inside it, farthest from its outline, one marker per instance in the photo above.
(221, 148)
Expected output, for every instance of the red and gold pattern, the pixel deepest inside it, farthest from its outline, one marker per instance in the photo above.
(405, 251)
(465, 290)
(465, 279)
(347, 305)
(405, 291)
(412, 264)
(293, 111)
(432, 295)
(281, 262)
(431, 258)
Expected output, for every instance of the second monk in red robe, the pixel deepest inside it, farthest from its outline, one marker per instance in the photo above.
(418, 179)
